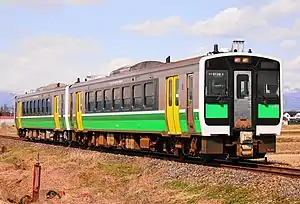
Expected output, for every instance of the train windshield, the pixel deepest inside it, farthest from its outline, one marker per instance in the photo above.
(216, 83)
(268, 84)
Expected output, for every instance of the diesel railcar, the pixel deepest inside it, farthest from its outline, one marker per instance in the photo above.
(223, 104)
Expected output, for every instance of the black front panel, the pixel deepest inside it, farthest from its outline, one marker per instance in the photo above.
(219, 88)
(216, 99)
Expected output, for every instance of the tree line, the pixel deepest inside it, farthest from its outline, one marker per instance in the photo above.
(5, 110)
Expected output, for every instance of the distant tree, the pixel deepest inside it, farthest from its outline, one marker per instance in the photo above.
(6, 111)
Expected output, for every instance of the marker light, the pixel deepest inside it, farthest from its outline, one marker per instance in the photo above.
(245, 60)
(237, 60)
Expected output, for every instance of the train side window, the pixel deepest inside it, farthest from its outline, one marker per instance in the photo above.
(27, 108)
(48, 105)
(89, 101)
(126, 99)
(23, 108)
(31, 107)
(39, 106)
(43, 106)
(117, 98)
(99, 100)
(170, 93)
(107, 100)
(137, 96)
(34, 106)
(149, 94)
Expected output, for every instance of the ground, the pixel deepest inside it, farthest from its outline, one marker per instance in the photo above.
(96, 177)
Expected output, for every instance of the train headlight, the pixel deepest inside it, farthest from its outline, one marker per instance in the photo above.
(245, 60)
(237, 60)
(241, 60)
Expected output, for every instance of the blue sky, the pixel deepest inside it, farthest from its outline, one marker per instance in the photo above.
(54, 41)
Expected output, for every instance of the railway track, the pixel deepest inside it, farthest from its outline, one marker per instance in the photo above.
(252, 166)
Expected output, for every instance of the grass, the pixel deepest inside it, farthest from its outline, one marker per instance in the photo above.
(192, 193)
(113, 180)
(120, 170)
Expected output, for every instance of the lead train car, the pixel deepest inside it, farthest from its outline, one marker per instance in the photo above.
(224, 104)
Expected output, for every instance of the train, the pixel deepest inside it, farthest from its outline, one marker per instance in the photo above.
(224, 104)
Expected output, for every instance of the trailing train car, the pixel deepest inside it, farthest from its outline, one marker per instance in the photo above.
(223, 104)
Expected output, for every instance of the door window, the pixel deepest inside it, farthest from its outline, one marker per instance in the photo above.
(242, 86)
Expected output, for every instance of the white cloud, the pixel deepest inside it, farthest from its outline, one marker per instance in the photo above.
(291, 73)
(231, 22)
(118, 63)
(279, 8)
(38, 61)
(285, 32)
(288, 44)
(155, 27)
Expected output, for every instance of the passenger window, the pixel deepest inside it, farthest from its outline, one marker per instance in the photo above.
(242, 86)
(38, 106)
(126, 97)
(170, 92)
(98, 100)
(137, 96)
(48, 106)
(43, 106)
(89, 101)
(34, 106)
(149, 94)
(117, 98)
(31, 107)
(23, 108)
(27, 107)
(107, 100)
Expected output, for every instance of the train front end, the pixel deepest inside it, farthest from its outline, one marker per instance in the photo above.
(240, 103)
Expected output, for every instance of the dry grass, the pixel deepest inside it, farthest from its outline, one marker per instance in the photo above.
(8, 129)
(92, 177)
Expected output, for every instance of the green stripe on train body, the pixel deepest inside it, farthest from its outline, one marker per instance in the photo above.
(146, 122)
(38, 122)
(43, 122)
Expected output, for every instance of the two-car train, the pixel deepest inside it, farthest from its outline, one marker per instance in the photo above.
(226, 104)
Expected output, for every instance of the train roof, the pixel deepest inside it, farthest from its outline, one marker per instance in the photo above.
(144, 67)
(44, 90)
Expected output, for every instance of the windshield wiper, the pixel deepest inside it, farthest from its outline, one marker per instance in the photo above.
(264, 98)
(220, 99)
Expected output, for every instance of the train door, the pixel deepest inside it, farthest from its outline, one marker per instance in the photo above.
(79, 111)
(71, 110)
(172, 105)
(62, 119)
(56, 112)
(189, 103)
(242, 97)
(19, 110)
